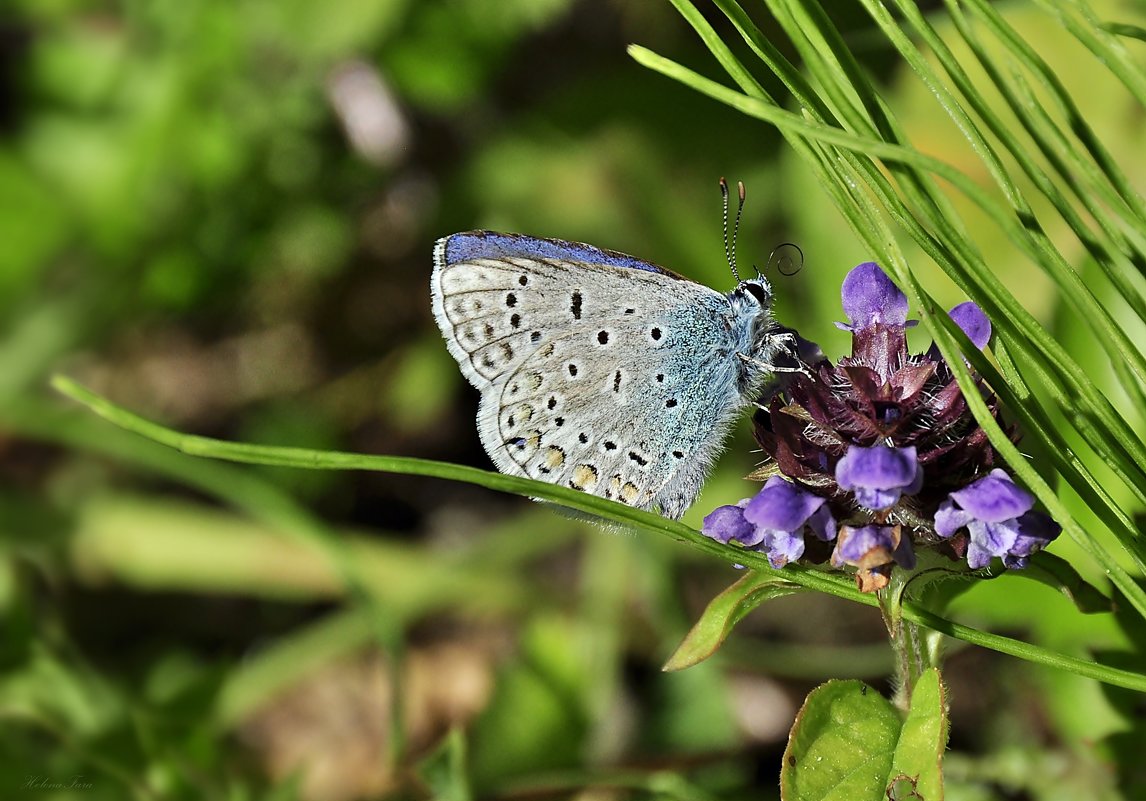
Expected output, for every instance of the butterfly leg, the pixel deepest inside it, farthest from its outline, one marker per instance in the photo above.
(770, 367)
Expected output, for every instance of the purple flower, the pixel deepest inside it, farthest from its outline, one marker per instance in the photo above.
(861, 547)
(773, 522)
(883, 441)
(879, 475)
(1036, 531)
(727, 524)
(869, 297)
(974, 323)
(780, 513)
(997, 515)
(874, 550)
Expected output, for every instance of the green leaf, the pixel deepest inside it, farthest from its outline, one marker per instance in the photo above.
(725, 611)
(849, 743)
(1125, 29)
(919, 754)
(842, 745)
(444, 770)
(935, 583)
(1056, 572)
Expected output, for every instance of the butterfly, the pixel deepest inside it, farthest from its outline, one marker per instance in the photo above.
(597, 370)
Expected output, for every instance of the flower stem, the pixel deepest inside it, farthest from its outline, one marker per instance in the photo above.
(912, 653)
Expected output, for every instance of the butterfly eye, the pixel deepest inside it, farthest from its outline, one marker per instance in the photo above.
(760, 293)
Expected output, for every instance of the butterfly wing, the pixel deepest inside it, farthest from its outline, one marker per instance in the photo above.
(597, 370)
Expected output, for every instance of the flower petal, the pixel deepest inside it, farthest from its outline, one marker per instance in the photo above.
(782, 547)
(782, 505)
(727, 524)
(977, 556)
(879, 475)
(1036, 531)
(877, 499)
(878, 466)
(994, 537)
(856, 544)
(950, 518)
(994, 498)
(974, 323)
(823, 525)
(870, 297)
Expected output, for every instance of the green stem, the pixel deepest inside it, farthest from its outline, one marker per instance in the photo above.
(913, 656)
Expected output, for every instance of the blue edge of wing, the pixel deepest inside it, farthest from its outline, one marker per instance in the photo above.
(492, 245)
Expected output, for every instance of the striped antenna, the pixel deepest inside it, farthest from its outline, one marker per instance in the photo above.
(730, 249)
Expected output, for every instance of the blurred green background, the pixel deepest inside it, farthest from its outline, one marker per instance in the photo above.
(221, 215)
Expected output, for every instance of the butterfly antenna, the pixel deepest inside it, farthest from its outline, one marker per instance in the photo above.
(736, 226)
(727, 250)
(730, 249)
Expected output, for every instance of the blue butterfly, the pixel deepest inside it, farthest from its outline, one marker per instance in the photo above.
(597, 370)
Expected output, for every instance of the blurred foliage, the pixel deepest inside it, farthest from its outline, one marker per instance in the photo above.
(222, 214)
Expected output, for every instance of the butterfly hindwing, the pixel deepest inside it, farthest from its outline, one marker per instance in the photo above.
(606, 376)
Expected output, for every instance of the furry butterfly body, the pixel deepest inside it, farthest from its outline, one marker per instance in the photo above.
(597, 370)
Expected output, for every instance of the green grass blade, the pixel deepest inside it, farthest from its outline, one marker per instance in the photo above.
(1021, 225)
(1018, 46)
(1059, 511)
(1010, 318)
(1105, 47)
(834, 584)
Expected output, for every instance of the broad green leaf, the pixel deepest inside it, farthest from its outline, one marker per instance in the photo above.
(850, 744)
(918, 760)
(725, 611)
(842, 745)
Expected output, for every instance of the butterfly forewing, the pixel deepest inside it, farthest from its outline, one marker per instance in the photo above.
(600, 375)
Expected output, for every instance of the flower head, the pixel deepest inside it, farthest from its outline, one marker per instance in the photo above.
(870, 298)
(974, 323)
(774, 521)
(879, 475)
(883, 442)
(999, 521)
(873, 550)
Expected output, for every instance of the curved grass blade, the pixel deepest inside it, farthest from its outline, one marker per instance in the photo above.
(834, 584)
